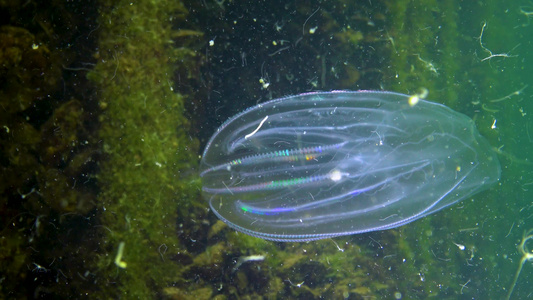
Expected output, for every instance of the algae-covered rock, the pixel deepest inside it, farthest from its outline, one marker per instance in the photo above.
(148, 153)
(28, 71)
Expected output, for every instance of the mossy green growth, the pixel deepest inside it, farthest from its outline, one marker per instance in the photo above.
(425, 52)
(148, 152)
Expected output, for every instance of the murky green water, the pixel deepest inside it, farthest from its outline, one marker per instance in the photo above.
(100, 186)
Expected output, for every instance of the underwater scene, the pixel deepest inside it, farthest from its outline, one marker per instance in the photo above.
(224, 149)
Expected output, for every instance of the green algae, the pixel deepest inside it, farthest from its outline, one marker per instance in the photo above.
(466, 55)
(423, 37)
(35, 156)
(28, 69)
(148, 152)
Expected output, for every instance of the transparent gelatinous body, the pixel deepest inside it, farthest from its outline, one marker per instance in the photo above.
(325, 164)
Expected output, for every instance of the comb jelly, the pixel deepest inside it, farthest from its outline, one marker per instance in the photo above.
(326, 164)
